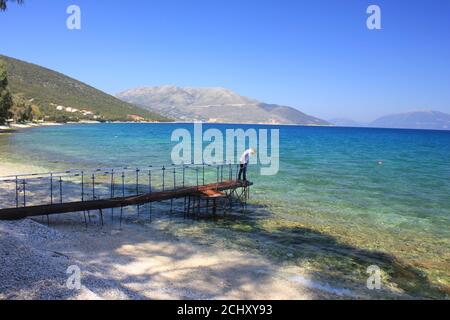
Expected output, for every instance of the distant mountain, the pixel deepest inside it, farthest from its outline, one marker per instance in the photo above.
(213, 105)
(342, 122)
(50, 90)
(415, 120)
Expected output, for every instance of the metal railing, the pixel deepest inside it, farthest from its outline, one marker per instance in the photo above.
(83, 185)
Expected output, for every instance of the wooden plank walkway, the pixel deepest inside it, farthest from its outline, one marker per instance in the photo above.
(211, 189)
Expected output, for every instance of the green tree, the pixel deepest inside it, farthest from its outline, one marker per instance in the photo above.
(36, 113)
(3, 4)
(5, 96)
(24, 110)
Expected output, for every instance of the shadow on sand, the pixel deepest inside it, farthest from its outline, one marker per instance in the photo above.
(334, 269)
(329, 260)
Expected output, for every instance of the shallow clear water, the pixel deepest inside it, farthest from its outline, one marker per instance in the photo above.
(374, 188)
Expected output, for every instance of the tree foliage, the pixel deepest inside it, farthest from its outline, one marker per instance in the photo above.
(4, 6)
(5, 96)
(15, 106)
(24, 110)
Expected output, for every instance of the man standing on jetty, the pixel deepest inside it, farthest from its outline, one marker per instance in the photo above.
(245, 159)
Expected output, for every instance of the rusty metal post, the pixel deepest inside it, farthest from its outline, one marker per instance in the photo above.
(196, 169)
(51, 188)
(203, 174)
(113, 189)
(137, 190)
(123, 184)
(217, 169)
(174, 187)
(185, 199)
(184, 174)
(82, 197)
(189, 207)
(174, 178)
(93, 193)
(137, 181)
(112, 193)
(164, 178)
(60, 190)
(123, 195)
(17, 192)
(82, 186)
(93, 186)
(24, 193)
(150, 191)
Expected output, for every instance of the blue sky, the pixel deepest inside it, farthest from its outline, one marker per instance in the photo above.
(317, 56)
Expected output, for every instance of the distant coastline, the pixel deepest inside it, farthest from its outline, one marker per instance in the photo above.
(13, 128)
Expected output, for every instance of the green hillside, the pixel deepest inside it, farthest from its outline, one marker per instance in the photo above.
(48, 89)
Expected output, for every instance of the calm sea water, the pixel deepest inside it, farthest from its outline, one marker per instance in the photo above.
(378, 188)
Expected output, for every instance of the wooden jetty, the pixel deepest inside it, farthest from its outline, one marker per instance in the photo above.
(206, 192)
(193, 195)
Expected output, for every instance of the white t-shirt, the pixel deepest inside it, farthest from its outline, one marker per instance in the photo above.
(245, 158)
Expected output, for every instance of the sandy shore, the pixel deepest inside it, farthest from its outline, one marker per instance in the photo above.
(141, 261)
(10, 169)
(15, 126)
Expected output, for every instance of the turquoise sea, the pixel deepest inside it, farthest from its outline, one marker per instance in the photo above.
(341, 193)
